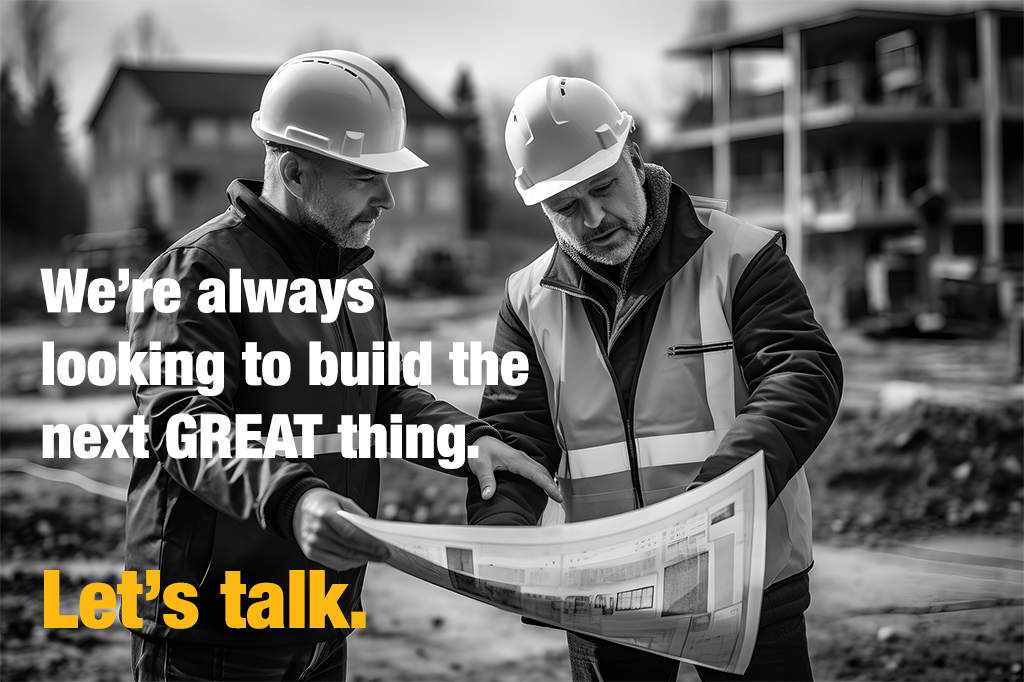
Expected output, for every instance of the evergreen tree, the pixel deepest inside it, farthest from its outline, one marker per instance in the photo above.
(46, 115)
(43, 198)
(57, 194)
(15, 205)
(477, 195)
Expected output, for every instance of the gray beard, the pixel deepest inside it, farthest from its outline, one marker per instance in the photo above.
(326, 230)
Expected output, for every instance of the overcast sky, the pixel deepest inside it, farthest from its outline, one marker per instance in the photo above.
(505, 44)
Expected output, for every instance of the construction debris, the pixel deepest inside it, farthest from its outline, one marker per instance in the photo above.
(932, 466)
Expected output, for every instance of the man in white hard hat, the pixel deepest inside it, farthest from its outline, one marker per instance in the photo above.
(334, 126)
(667, 342)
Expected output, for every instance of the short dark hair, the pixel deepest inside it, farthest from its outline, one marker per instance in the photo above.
(275, 149)
(318, 160)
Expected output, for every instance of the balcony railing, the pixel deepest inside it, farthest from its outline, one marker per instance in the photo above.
(851, 190)
(871, 190)
(857, 83)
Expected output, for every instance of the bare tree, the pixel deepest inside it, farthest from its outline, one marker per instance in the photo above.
(33, 34)
(711, 16)
(144, 41)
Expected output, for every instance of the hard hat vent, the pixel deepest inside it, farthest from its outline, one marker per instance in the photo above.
(555, 138)
(331, 64)
(340, 66)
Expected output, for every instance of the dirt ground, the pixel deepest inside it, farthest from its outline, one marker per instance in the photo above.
(942, 602)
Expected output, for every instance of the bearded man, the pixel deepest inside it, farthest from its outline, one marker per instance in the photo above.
(333, 123)
(667, 342)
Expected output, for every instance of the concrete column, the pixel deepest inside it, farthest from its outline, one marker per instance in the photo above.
(938, 179)
(991, 137)
(793, 142)
(938, 145)
(892, 182)
(938, 156)
(721, 70)
(935, 68)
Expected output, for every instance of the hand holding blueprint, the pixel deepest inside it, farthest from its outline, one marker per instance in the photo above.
(682, 578)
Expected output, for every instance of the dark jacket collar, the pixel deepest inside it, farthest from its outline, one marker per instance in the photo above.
(682, 236)
(309, 254)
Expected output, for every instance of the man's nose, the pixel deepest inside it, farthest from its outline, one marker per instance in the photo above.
(593, 213)
(385, 199)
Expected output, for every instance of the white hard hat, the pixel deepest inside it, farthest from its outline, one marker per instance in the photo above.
(341, 105)
(560, 132)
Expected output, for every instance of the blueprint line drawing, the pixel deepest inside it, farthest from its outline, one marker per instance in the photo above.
(682, 578)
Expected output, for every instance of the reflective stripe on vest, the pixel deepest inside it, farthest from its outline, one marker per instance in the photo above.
(688, 393)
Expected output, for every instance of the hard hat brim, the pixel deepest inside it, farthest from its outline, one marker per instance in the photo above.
(601, 161)
(383, 162)
(389, 162)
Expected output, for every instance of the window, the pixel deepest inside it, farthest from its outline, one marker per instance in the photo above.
(899, 66)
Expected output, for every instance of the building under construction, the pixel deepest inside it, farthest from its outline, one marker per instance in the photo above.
(886, 142)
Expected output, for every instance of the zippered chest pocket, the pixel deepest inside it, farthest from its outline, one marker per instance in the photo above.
(683, 350)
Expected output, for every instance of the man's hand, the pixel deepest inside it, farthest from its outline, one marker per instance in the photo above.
(496, 456)
(327, 538)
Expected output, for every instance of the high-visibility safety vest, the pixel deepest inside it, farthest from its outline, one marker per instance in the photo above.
(688, 392)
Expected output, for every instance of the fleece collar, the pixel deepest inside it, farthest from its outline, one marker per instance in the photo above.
(672, 234)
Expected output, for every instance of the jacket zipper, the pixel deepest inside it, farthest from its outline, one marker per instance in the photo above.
(634, 464)
(692, 348)
(619, 296)
(580, 294)
(634, 460)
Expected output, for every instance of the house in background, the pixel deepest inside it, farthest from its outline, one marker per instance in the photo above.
(168, 140)
(869, 136)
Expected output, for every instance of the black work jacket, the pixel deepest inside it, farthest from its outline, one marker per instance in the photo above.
(195, 519)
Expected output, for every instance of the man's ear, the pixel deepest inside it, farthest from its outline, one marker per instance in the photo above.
(637, 161)
(294, 172)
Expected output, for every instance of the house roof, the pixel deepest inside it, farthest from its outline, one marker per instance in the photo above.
(770, 36)
(190, 91)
